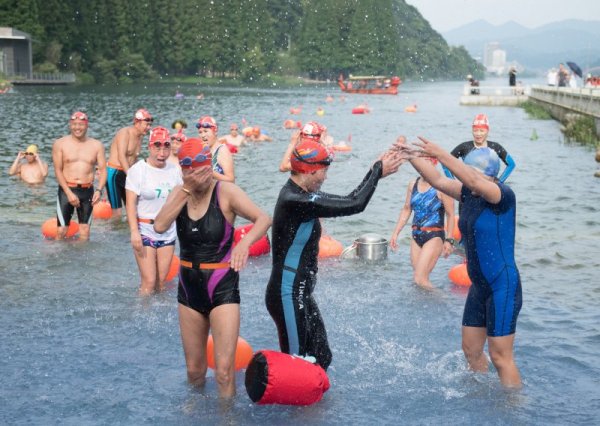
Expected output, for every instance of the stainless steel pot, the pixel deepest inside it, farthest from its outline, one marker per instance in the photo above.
(371, 247)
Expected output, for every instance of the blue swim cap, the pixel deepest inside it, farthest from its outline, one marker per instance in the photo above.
(485, 160)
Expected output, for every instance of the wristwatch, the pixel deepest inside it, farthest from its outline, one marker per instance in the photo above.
(450, 240)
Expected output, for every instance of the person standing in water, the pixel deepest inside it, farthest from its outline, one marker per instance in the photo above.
(76, 157)
(124, 151)
(33, 170)
(204, 210)
(481, 129)
(148, 185)
(222, 159)
(295, 244)
(487, 223)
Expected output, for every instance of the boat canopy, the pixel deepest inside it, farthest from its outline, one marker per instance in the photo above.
(367, 77)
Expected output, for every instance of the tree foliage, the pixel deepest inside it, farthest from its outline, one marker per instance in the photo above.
(130, 40)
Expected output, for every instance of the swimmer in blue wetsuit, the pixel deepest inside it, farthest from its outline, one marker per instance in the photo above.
(204, 210)
(295, 244)
(222, 159)
(481, 129)
(428, 235)
(487, 223)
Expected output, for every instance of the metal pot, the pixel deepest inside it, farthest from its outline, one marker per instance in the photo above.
(371, 247)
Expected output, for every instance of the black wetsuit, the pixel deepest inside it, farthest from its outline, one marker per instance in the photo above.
(296, 232)
(206, 240)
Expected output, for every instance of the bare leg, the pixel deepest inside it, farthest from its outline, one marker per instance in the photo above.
(225, 326)
(194, 334)
(164, 255)
(61, 232)
(84, 231)
(428, 257)
(116, 214)
(501, 353)
(146, 261)
(473, 340)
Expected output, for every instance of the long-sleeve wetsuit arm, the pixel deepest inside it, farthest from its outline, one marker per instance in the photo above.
(510, 165)
(321, 204)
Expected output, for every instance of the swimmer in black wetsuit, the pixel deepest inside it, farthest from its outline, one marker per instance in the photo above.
(481, 129)
(208, 294)
(296, 233)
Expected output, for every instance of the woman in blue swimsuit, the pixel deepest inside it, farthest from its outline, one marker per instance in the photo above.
(487, 224)
(222, 159)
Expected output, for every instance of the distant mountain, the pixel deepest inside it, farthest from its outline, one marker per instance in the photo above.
(536, 49)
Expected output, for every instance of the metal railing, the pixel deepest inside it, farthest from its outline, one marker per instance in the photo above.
(469, 90)
(65, 77)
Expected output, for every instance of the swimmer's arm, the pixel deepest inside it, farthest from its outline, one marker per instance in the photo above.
(170, 210)
(42, 165)
(457, 153)
(131, 199)
(15, 168)
(510, 165)
(403, 217)
(57, 160)
(225, 160)
(102, 175)
(330, 205)
(448, 203)
(448, 186)
(285, 165)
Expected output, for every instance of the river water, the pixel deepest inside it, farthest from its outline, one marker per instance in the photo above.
(79, 346)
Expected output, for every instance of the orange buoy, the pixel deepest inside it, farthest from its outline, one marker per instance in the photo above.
(328, 247)
(50, 229)
(411, 108)
(459, 276)
(289, 124)
(296, 111)
(102, 210)
(247, 131)
(260, 247)
(243, 353)
(173, 269)
(361, 109)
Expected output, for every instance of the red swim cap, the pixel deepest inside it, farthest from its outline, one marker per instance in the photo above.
(179, 136)
(194, 153)
(207, 122)
(159, 134)
(142, 115)
(78, 115)
(309, 156)
(312, 130)
(481, 121)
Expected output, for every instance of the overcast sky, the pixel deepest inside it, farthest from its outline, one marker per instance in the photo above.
(444, 15)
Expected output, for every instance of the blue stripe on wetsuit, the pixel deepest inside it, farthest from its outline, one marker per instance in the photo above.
(112, 192)
(292, 260)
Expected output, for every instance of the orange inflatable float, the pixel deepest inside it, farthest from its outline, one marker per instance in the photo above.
(102, 210)
(50, 229)
(243, 353)
(411, 108)
(260, 247)
(173, 269)
(459, 276)
(291, 124)
(232, 148)
(296, 111)
(328, 247)
(361, 109)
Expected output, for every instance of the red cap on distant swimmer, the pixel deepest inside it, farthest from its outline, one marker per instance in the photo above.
(143, 115)
(179, 136)
(194, 153)
(78, 115)
(207, 122)
(481, 121)
(311, 130)
(309, 156)
(159, 134)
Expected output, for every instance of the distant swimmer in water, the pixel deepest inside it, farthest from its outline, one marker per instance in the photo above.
(124, 151)
(148, 185)
(481, 129)
(222, 160)
(29, 166)
(76, 157)
(258, 136)
(208, 296)
(487, 224)
(428, 236)
(233, 138)
(295, 244)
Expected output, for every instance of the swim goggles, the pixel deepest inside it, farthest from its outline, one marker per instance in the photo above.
(158, 145)
(204, 125)
(199, 158)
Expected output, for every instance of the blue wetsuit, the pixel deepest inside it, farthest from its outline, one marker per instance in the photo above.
(461, 151)
(296, 232)
(488, 230)
(428, 218)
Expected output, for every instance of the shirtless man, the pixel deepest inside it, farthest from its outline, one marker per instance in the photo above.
(75, 158)
(233, 138)
(33, 170)
(124, 151)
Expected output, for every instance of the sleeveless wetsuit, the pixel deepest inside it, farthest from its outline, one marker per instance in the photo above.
(488, 230)
(296, 232)
(115, 187)
(215, 161)
(462, 150)
(428, 219)
(206, 240)
(64, 209)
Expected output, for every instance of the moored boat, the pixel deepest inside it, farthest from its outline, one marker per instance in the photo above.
(370, 85)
